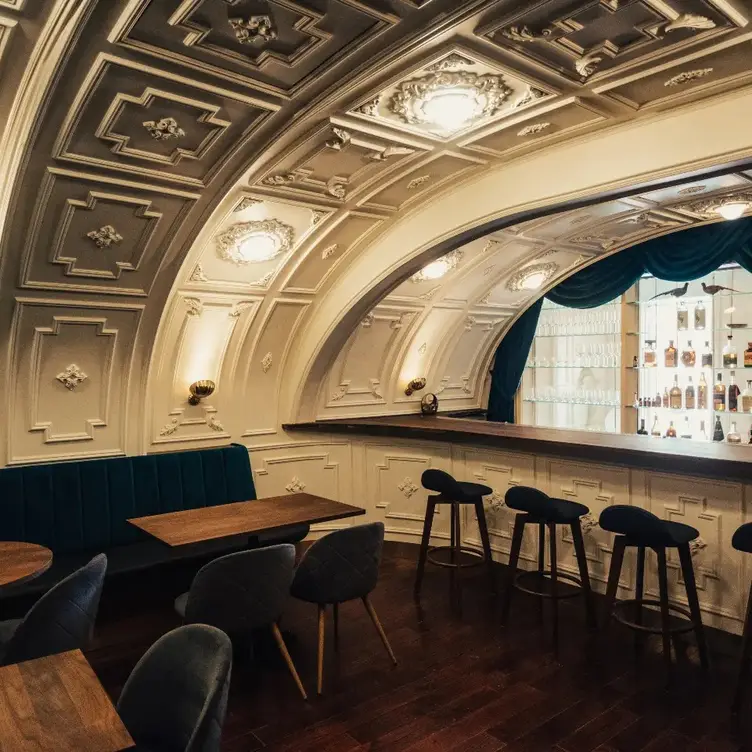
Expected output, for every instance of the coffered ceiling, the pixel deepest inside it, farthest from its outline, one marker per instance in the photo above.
(190, 184)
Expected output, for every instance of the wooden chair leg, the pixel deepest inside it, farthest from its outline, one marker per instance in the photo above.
(639, 594)
(288, 660)
(320, 667)
(424, 544)
(688, 573)
(457, 557)
(744, 659)
(514, 557)
(335, 611)
(541, 564)
(376, 623)
(579, 549)
(612, 588)
(480, 513)
(554, 584)
(665, 614)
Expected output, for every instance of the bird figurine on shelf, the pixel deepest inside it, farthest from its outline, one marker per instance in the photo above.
(677, 292)
(713, 289)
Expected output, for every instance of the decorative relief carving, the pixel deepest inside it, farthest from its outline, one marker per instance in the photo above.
(279, 179)
(697, 545)
(401, 320)
(534, 129)
(450, 62)
(246, 203)
(388, 151)
(197, 275)
(689, 21)
(256, 30)
(370, 108)
(254, 242)
(295, 485)
(266, 362)
(71, 377)
(239, 307)
(496, 500)
(329, 251)
(213, 422)
(407, 487)
(651, 220)
(422, 349)
(687, 77)
(466, 388)
(531, 95)
(707, 208)
(488, 269)
(169, 428)
(416, 182)
(335, 186)
(194, 305)
(692, 190)
(265, 280)
(600, 241)
(376, 388)
(540, 273)
(491, 245)
(367, 322)
(470, 322)
(588, 64)
(588, 523)
(105, 236)
(338, 393)
(341, 138)
(317, 216)
(428, 295)
(164, 129)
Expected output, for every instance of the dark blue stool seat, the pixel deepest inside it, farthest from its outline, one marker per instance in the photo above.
(455, 493)
(638, 528)
(742, 541)
(537, 508)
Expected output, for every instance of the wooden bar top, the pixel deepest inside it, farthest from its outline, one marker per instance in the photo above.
(22, 561)
(57, 703)
(704, 459)
(243, 518)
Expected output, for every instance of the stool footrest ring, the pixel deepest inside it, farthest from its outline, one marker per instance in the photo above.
(679, 629)
(520, 577)
(455, 565)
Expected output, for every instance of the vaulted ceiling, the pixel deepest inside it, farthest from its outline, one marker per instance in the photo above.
(243, 191)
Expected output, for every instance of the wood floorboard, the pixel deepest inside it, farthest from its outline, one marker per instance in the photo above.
(464, 683)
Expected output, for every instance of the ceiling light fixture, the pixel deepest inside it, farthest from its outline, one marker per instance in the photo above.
(532, 278)
(255, 242)
(732, 209)
(437, 269)
(448, 101)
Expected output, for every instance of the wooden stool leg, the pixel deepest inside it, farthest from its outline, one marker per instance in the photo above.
(457, 558)
(745, 656)
(376, 623)
(617, 559)
(579, 549)
(541, 564)
(480, 513)
(688, 573)
(288, 660)
(320, 667)
(554, 584)
(639, 594)
(665, 615)
(424, 544)
(514, 557)
(335, 614)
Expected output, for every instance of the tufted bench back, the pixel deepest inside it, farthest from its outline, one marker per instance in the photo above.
(83, 506)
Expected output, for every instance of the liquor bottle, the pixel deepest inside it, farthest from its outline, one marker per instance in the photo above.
(748, 356)
(747, 398)
(750, 434)
(671, 431)
(719, 395)
(669, 355)
(675, 395)
(665, 401)
(733, 395)
(699, 315)
(703, 434)
(702, 393)
(657, 400)
(682, 316)
(648, 354)
(707, 356)
(686, 431)
(733, 435)
(642, 431)
(656, 429)
(635, 362)
(688, 356)
(636, 401)
(689, 396)
(729, 353)
(718, 429)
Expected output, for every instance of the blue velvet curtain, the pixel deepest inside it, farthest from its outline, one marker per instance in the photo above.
(679, 257)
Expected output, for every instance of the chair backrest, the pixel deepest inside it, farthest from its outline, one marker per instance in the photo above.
(341, 566)
(441, 482)
(636, 523)
(63, 618)
(242, 591)
(527, 499)
(742, 538)
(176, 697)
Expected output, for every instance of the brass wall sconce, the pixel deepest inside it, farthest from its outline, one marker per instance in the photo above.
(415, 385)
(199, 390)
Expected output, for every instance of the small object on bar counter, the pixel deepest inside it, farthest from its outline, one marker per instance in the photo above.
(656, 429)
(429, 404)
(729, 353)
(642, 431)
(671, 431)
(718, 429)
(748, 356)
(733, 395)
(687, 432)
(669, 355)
(733, 435)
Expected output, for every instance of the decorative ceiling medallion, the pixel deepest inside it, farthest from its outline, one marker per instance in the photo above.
(450, 62)
(105, 236)
(255, 242)
(688, 76)
(416, 182)
(440, 267)
(712, 208)
(692, 190)
(448, 101)
(256, 30)
(370, 108)
(163, 129)
(533, 277)
(71, 377)
(534, 129)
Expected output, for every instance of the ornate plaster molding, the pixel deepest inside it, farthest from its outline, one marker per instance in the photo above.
(257, 30)
(105, 236)
(534, 129)
(246, 203)
(239, 307)
(341, 139)
(194, 305)
(687, 77)
(169, 428)
(71, 377)
(417, 182)
(267, 362)
(213, 422)
(229, 243)
(197, 275)
(329, 251)
(370, 108)
(295, 485)
(164, 129)
(451, 62)
(516, 282)
(408, 487)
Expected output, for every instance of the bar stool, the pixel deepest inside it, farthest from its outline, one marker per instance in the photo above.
(642, 529)
(537, 508)
(455, 493)
(742, 541)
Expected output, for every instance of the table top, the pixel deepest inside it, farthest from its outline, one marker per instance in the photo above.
(22, 561)
(57, 703)
(243, 518)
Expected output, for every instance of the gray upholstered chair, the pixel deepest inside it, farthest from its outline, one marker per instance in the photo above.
(175, 699)
(340, 567)
(241, 592)
(62, 619)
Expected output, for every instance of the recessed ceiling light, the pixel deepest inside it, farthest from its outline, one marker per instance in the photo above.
(437, 269)
(532, 278)
(732, 209)
(255, 242)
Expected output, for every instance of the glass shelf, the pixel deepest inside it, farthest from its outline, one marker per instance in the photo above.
(602, 368)
(589, 334)
(692, 410)
(573, 404)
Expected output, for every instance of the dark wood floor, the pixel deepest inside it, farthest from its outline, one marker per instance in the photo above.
(462, 684)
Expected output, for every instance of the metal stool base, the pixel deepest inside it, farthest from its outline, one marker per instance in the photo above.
(521, 576)
(679, 629)
(455, 565)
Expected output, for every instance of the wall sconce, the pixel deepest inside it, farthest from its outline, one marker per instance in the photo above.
(415, 385)
(199, 390)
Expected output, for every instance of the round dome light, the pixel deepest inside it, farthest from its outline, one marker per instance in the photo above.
(532, 278)
(437, 269)
(259, 246)
(452, 108)
(732, 209)
(255, 242)
(534, 281)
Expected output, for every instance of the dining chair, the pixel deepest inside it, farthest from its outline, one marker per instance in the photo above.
(242, 592)
(341, 566)
(175, 699)
(62, 619)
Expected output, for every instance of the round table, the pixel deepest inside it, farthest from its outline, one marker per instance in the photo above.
(22, 561)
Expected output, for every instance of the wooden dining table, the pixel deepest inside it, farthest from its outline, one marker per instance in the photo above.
(243, 518)
(21, 561)
(57, 703)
